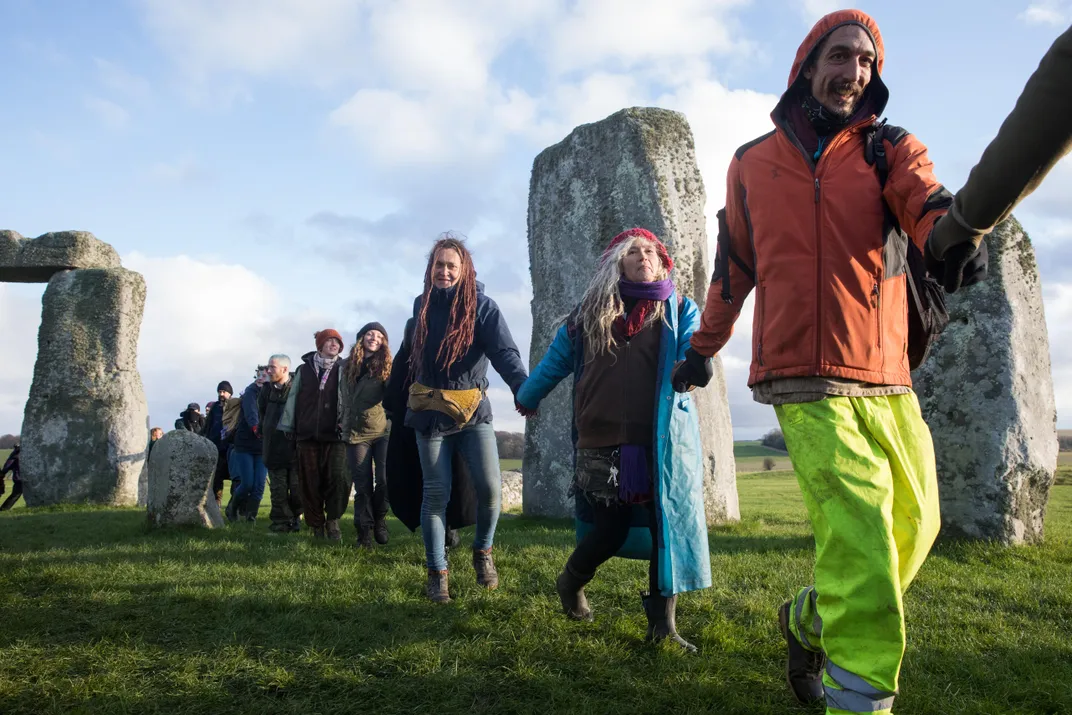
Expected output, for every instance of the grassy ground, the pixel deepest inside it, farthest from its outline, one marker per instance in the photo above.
(101, 616)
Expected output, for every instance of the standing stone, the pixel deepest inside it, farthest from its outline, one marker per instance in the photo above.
(180, 481)
(83, 434)
(635, 168)
(987, 394)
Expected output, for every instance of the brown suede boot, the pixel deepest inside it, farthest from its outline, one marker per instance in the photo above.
(437, 587)
(486, 575)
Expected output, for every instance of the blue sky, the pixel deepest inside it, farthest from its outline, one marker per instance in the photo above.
(277, 166)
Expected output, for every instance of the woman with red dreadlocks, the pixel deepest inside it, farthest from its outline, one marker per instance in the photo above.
(637, 441)
(458, 330)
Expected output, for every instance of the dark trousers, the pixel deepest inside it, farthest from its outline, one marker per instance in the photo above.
(221, 473)
(16, 492)
(325, 488)
(368, 469)
(611, 524)
(285, 494)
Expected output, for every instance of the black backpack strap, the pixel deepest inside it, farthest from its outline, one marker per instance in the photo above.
(724, 256)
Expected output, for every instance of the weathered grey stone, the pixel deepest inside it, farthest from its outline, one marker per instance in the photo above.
(511, 490)
(180, 482)
(635, 168)
(987, 393)
(84, 433)
(36, 260)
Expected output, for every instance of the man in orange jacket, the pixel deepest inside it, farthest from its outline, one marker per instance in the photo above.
(813, 229)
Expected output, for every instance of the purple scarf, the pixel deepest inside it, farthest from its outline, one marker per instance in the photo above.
(646, 295)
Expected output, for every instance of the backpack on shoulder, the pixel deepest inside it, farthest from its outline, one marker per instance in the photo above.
(927, 312)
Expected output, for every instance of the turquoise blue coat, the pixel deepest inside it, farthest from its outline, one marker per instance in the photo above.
(684, 559)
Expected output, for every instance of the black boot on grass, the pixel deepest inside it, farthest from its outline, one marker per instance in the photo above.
(803, 667)
(661, 620)
(570, 589)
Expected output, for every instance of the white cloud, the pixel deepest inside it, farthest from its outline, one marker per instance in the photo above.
(595, 32)
(812, 10)
(311, 40)
(1058, 299)
(205, 322)
(108, 113)
(1047, 12)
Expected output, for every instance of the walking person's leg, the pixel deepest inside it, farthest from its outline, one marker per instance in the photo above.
(309, 482)
(241, 467)
(380, 503)
(335, 485)
(256, 492)
(854, 613)
(280, 515)
(610, 529)
(16, 492)
(436, 453)
(359, 457)
(660, 608)
(480, 451)
(294, 498)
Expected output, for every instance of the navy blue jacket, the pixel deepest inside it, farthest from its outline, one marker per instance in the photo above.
(245, 441)
(492, 343)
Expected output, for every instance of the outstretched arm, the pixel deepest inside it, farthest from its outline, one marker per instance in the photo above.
(555, 365)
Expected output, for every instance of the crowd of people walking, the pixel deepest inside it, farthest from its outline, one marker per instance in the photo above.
(830, 218)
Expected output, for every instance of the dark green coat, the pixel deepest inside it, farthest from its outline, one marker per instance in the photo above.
(363, 418)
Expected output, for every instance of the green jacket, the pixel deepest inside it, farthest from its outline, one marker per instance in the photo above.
(361, 406)
(1032, 139)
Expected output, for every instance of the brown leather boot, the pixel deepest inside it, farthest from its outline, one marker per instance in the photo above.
(570, 589)
(486, 575)
(436, 589)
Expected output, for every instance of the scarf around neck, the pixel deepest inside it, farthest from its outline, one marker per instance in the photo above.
(323, 367)
(646, 295)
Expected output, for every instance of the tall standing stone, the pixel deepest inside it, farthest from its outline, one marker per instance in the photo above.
(83, 435)
(635, 168)
(987, 394)
(180, 482)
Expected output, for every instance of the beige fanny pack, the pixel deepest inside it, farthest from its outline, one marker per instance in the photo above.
(459, 405)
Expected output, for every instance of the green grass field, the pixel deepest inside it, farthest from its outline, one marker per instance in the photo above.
(102, 616)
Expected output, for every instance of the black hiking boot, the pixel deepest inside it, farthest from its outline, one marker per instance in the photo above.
(436, 588)
(570, 589)
(486, 575)
(364, 538)
(231, 512)
(380, 531)
(803, 667)
(332, 530)
(661, 620)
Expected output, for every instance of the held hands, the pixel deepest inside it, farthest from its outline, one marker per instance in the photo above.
(964, 264)
(524, 411)
(694, 371)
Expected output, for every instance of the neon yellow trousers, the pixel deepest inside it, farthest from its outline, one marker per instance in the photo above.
(866, 469)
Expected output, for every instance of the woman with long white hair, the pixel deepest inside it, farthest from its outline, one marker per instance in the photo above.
(637, 442)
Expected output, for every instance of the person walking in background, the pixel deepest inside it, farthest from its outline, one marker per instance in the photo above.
(458, 330)
(365, 425)
(191, 419)
(214, 433)
(278, 451)
(312, 417)
(635, 439)
(246, 462)
(11, 465)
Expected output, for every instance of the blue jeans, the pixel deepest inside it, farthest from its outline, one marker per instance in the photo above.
(251, 474)
(476, 445)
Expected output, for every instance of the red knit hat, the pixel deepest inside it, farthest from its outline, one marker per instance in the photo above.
(625, 235)
(325, 335)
